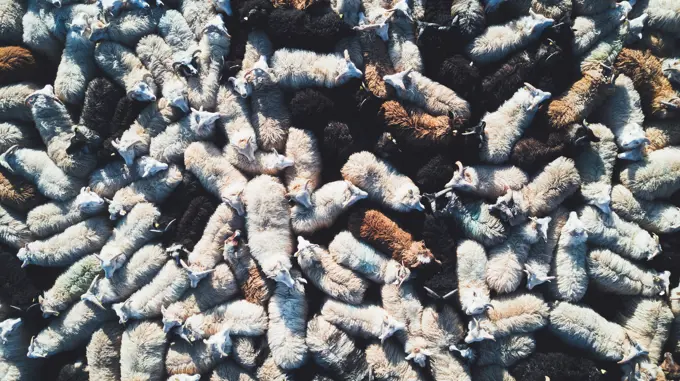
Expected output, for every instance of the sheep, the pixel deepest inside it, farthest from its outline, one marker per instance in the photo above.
(471, 20)
(585, 329)
(58, 19)
(401, 45)
(558, 180)
(475, 220)
(473, 292)
(605, 51)
(504, 269)
(334, 351)
(507, 124)
(181, 41)
(541, 254)
(377, 63)
(257, 45)
(12, 101)
(13, 229)
(595, 165)
(487, 181)
(626, 238)
(15, 339)
(99, 106)
(657, 96)
(662, 16)
(554, 9)
(103, 352)
(253, 283)
(655, 216)
(232, 318)
(498, 41)
(54, 217)
(612, 273)
(196, 12)
(385, 235)
(12, 133)
(192, 216)
(622, 113)
(298, 29)
(208, 250)
(228, 371)
(362, 258)
(443, 329)
(123, 67)
(367, 321)
(235, 123)
(247, 351)
(18, 64)
(652, 177)
(169, 145)
(304, 176)
(671, 69)
(68, 246)
(661, 134)
(220, 287)
(128, 28)
(11, 29)
(287, 316)
(131, 233)
(142, 337)
(505, 352)
(555, 365)
(69, 330)
(77, 66)
(18, 193)
(268, 225)
(589, 29)
(220, 178)
(382, 182)
(135, 273)
(69, 286)
(36, 34)
(414, 127)
(326, 205)
(184, 359)
(127, 110)
(431, 96)
(111, 178)
(648, 322)
(569, 264)
(327, 70)
(509, 315)
(387, 362)
(669, 367)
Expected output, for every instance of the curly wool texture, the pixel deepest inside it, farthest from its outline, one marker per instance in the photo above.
(386, 361)
(661, 134)
(99, 106)
(377, 64)
(557, 366)
(254, 285)
(297, 29)
(12, 101)
(476, 222)
(504, 269)
(589, 29)
(217, 176)
(70, 285)
(304, 175)
(622, 113)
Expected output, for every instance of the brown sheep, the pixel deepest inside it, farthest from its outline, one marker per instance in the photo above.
(18, 193)
(415, 126)
(377, 64)
(17, 64)
(659, 100)
(381, 232)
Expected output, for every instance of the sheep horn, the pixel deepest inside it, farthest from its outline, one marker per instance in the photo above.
(460, 166)
(670, 105)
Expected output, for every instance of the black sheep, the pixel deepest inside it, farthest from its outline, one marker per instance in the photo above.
(99, 106)
(127, 110)
(16, 289)
(311, 109)
(460, 75)
(557, 367)
(292, 28)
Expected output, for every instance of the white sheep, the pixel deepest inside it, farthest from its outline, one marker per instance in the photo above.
(402, 302)
(296, 69)
(382, 182)
(326, 205)
(662, 15)
(68, 246)
(186, 361)
(58, 19)
(589, 29)
(473, 292)
(505, 126)
(13, 101)
(13, 229)
(53, 217)
(267, 163)
(69, 286)
(287, 323)
(433, 97)
(10, 21)
(154, 189)
(569, 265)
(77, 65)
(541, 254)
(445, 366)
(364, 259)
(35, 35)
(386, 361)
(169, 145)
(103, 352)
(366, 320)
(235, 123)
(15, 339)
(487, 181)
(614, 274)
(334, 351)
(653, 177)
(656, 216)
(304, 176)
(111, 178)
(237, 317)
(145, 337)
(123, 67)
(595, 166)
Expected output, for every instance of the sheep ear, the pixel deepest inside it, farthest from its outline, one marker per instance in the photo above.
(232, 81)
(346, 53)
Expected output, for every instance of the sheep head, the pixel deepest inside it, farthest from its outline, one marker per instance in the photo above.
(534, 278)
(540, 226)
(231, 245)
(282, 162)
(389, 327)
(663, 282)
(408, 196)
(203, 122)
(417, 352)
(396, 273)
(353, 195)
(195, 275)
(301, 194)
(537, 97)
(80, 24)
(668, 108)
(111, 263)
(305, 250)
(7, 158)
(464, 351)
(380, 27)
(506, 209)
(623, 8)
(671, 69)
(142, 92)
(633, 155)
(169, 321)
(400, 81)
(8, 327)
(191, 330)
(215, 28)
(633, 136)
(538, 23)
(476, 332)
(235, 200)
(241, 86)
(599, 195)
(35, 350)
(186, 64)
(90, 294)
(56, 3)
(46, 307)
(116, 210)
(25, 255)
(176, 94)
(147, 166)
(347, 71)
(44, 96)
(125, 145)
(223, 6)
(281, 274)
(473, 300)
(88, 201)
(656, 244)
(122, 310)
(221, 342)
(635, 27)
(465, 178)
(111, 7)
(245, 144)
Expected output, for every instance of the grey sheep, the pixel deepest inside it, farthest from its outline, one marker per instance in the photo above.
(247, 351)
(128, 28)
(77, 65)
(328, 276)
(327, 204)
(569, 265)
(614, 274)
(13, 101)
(169, 145)
(589, 29)
(287, 323)
(446, 366)
(505, 126)
(184, 359)
(123, 67)
(487, 181)
(179, 37)
(433, 97)
(69, 286)
(402, 302)
(111, 178)
(595, 166)
(144, 337)
(154, 189)
(195, 12)
(475, 220)
(365, 321)
(294, 69)
(401, 45)
(382, 182)
(266, 163)
(103, 352)
(334, 351)
(258, 45)
(304, 176)
(67, 247)
(541, 254)
(473, 292)
(54, 217)
(58, 19)
(13, 229)
(655, 216)
(654, 176)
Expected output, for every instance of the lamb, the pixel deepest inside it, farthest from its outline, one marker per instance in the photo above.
(326, 70)
(655, 216)
(648, 322)
(474, 219)
(13, 105)
(653, 178)
(595, 165)
(507, 124)
(304, 176)
(103, 352)
(362, 258)
(130, 234)
(569, 265)
(387, 362)
(382, 182)
(558, 180)
(434, 98)
(128, 28)
(334, 351)
(287, 316)
(220, 287)
(17, 193)
(498, 41)
(504, 270)
(270, 236)
(626, 238)
(69, 286)
(486, 180)
(69, 331)
(589, 29)
(331, 278)
(208, 250)
(612, 273)
(68, 246)
(585, 329)
(235, 123)
(124, 68)
(509, 315)
(15, 340)
(661, 134)
(53, 217)
(77, 66)
(622, 113)
(142, 337)
(135, 274)
(111, 178)
(13, 133)
(169, 145)
(13, 229)
(473, 292)
(253, 283)
(658, 98)
(384, 234)
(232, 318)
(326, 205)
(367, 321)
